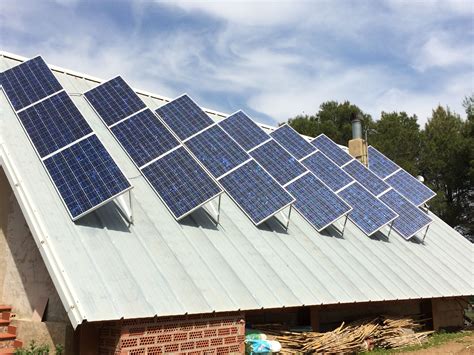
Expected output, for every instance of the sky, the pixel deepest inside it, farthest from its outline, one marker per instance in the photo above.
(273, 59)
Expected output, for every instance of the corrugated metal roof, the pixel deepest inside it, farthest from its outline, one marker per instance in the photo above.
(105, 269)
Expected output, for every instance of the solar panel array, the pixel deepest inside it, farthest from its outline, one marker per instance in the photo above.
(331, 150)
(81, 169)
(314, 200)
(278, 162)
(407, 185)
(181, 183)
(29, 82)
(292, 141)
(217, 151)
(365, 177)
(244, 131)
(410, 219)
(369, 213)
(256, 192)
(323, 167)
(184, 117)
(230, 164)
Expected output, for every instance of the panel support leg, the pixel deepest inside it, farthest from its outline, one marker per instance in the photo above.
(216, 212)
(426, 232)
(344, 225)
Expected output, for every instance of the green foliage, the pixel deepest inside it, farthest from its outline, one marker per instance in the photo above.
(35, 349)
(398, 136)
(445, 158)
(442, 152)
(332, 119)
(436, 339)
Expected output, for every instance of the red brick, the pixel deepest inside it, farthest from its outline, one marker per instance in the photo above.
(208, 333)
(202, 343)
(187, 346)
(223, 350)
(129, 342)
(230, 340)
(180, 336)
(195, 335)
(223, 331)
(217, 341)
(155, 350)
(163, 338)
(171, 348)
(147, 340)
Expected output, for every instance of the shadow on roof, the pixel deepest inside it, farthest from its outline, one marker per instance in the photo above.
(199, 218)
(109, 216)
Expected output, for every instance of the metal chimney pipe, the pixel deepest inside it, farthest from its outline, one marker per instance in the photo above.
(357, 126)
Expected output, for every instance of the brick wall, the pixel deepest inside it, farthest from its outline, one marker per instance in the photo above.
(201, 334)
(448, 312)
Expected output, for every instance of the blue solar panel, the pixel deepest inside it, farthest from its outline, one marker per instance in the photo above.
(85, 176)
(365, 177)
(29, 82)
(184, 117)
(144, 137)
(331, 149)
(292, 141)
(316, 202)
(114, 100)
(216, 151)
(257, 194)
(278, 162)
(327, 171)
(180, 182)
(412, 189)
(379, 164)
(369, 213)
(410, 218)
(244, 131)
(53, 123)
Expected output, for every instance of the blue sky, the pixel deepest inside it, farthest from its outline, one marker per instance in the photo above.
(272, 59)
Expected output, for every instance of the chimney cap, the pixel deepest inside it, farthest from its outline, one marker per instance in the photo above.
(357, 117)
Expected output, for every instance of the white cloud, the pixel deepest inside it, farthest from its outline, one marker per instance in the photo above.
(439, 51)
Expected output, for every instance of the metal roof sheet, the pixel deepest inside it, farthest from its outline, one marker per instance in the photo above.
(105, 269)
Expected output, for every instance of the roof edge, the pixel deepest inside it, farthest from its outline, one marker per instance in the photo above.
(46, 250)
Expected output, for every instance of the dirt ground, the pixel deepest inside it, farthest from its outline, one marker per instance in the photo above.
(461, 346)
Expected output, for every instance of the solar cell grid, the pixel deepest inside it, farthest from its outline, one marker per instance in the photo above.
(114, 100)
(368, 213)
(184, 117)
(180, 182)
(327, 171)
(316, 202)
(292, 141)
(379, 164)
(85, 176)
(216, 150)
(365, 177)
(29, 82)
(331, 149)
(144, 137)
(408, 186)
(257, 194)
(278, 162)
(54, 123)
(410, 218)
(244, 131)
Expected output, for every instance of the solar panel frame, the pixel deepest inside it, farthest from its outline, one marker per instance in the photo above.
(395, 181)
(379, 164)
(278, 162)
(33, 121)
(406, 211)
(365, 177)
(332, 175)
(311, 189)
(138, 153)
(104, 155)
(110, 108)
(349, 195)
(16, 75)
(252, 164)
(292, 141)
(190, 161)
(194, 124)
(326, 145)
(216, 150)
(244, 130)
